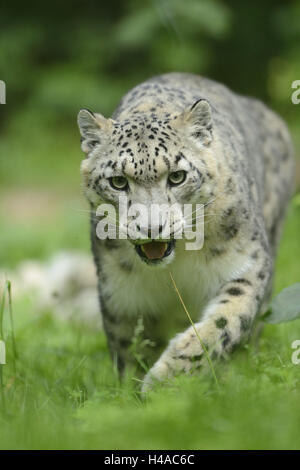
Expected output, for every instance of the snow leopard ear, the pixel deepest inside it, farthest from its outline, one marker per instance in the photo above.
(198, 120)
(93, 129)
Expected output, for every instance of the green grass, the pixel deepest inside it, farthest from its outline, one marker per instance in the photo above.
(65, 393)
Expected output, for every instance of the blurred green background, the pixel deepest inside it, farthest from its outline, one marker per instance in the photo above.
(59, 57)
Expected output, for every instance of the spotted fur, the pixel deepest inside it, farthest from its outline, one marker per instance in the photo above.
(239, 162)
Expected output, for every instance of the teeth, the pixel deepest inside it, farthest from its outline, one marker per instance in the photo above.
(154, 250)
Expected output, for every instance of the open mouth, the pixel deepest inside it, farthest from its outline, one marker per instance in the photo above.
(155, 251)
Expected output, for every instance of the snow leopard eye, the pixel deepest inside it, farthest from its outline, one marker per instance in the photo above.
(118, 182)
(177, 177)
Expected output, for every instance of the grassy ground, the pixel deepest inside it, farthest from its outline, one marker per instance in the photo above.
(65, 393)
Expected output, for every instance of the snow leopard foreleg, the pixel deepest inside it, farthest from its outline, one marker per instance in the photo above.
(225, 322)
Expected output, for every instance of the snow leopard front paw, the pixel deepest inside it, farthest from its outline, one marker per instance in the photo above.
(158, 373)
(184, 354)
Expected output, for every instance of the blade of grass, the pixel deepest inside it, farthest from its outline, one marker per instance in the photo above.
(2, 339)
(196, 332)
(1, 313)
(2, 388)
(58, 382)
(15, 354)
(7, 289)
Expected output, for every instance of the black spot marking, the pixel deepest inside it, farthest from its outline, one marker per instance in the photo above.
(245, 323)
(217, 251)
(225, 339)
(255, 235)
(221, 322)
(214, 355)
(195, 358)
(242, 281)
(112, 244)
(166, 162)
(235, 291)
(125, 266)
(231, 231)
(229, 186)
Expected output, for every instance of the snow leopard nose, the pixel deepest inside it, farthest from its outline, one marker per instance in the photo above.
(155, 229)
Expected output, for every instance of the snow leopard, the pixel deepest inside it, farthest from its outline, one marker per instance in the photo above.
(186, 139)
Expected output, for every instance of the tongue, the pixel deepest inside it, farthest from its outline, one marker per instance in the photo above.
(154, 250)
